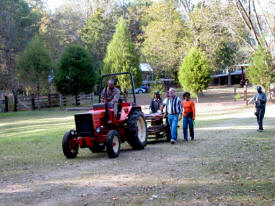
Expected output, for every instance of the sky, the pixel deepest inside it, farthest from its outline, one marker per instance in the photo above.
(53, 4)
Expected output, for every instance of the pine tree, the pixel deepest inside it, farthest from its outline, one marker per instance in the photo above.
(75, 72)
(194, 73)
(34, 66)
(122, 56)
(260, 70)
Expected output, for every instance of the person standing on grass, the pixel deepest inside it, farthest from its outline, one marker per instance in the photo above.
(174, 111)
(260, 102)
(188, 116)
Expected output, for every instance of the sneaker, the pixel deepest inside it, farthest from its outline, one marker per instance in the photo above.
(260, 130)
(173, 141)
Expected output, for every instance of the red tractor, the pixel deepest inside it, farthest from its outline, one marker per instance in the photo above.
(101, 129)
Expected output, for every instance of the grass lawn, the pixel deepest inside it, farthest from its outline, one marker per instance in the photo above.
(32, 140)
(228, 164)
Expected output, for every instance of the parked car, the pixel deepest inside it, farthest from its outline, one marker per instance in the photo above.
(145, 87)
(137, 91)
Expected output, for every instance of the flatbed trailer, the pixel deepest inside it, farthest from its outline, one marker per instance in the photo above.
(157, 127)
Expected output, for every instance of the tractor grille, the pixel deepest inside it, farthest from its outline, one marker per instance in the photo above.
(84, 124)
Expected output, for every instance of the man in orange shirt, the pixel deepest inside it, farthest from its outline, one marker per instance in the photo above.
(188, 116)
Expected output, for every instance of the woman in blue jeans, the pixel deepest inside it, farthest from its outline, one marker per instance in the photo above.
(188, 116)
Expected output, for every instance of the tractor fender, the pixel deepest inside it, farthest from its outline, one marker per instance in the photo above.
(126, 111)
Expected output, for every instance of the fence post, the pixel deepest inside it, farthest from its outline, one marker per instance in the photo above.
(64, 101)
(77, 100)
(49, 100)
(6, 104)
(15, 103)
(33, 102)
(60, 101)
(92, 98)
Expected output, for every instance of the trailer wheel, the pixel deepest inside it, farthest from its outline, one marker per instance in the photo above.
(137, 128)
(70, 145)
(113, 144)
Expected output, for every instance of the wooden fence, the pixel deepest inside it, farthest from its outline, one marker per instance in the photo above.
(21, 103)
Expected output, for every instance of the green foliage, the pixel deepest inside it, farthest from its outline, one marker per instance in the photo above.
(134, 19)
(34, 65)
(237, 97)
(157, 87)
(18, 23)
(218, 30)
(75, 72)
(97, 33)
(225, 55)
(122, 56)
(165, 38)
(260, 70)
(194, 73)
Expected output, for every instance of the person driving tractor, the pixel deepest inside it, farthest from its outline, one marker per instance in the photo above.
(111, 94)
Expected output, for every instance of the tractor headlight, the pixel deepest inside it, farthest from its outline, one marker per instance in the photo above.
(72, 133)
(98, 130)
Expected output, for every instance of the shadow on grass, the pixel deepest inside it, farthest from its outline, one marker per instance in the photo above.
(107, 191)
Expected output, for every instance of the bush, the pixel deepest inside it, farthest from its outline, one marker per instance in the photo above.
(194, 73)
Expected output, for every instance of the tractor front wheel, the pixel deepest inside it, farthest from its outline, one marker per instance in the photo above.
(113, 144)
(70, 145)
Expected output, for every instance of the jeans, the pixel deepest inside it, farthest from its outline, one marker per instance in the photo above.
(173, 123)
(186, 121)
(260, 111)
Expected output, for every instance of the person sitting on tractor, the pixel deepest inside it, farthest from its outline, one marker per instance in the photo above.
(156, 103)
(111, 94)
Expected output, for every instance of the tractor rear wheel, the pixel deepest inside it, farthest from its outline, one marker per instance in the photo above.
(137, 129)
(70, 145)
(113, 144)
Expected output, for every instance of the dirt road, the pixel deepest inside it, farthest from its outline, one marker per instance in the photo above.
(228, 163)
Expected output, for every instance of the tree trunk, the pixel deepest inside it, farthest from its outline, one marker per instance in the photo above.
(38, 95)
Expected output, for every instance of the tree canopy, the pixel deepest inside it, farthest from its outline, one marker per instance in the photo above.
(161, 33)
(165, 38)
(75, 72)
(194, 73)
(19, 22)
(122, 56)
(260, 70)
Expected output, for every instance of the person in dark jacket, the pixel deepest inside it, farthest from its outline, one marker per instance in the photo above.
(156, 103)
(260, 102)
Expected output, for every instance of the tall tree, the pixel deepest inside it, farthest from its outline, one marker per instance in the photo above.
(122, 56)
(225, 55)
(214, 25)
(75, 72)
(134, 14)
(260, 70)
(165, 38)
(18, 23)
(194, 73)
(97, 33)
(34, 66)
(259, 20)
